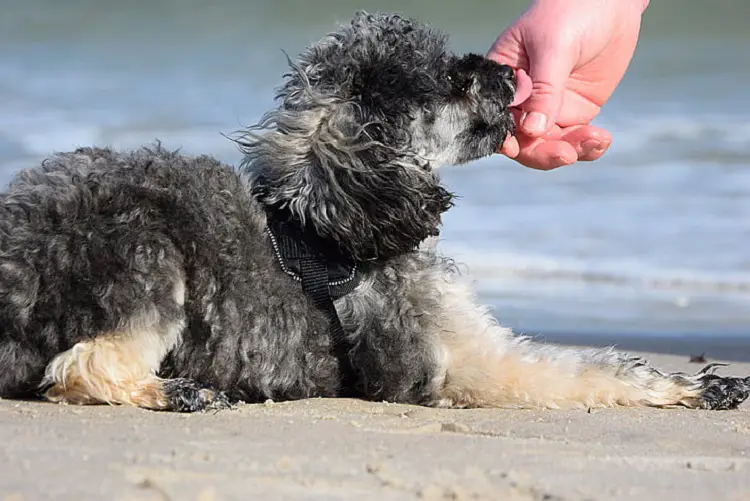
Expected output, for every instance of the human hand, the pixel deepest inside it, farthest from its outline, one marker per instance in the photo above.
(569, 55)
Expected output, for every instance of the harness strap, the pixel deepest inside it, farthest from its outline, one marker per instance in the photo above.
(313, 274)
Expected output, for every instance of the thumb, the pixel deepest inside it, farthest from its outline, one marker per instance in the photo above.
(549, 71)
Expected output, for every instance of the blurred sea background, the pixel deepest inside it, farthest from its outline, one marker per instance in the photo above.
(651, 241)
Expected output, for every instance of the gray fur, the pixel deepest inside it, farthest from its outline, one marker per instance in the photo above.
(94, 237)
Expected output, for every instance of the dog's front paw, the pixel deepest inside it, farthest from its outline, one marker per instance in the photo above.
(723, 393)
(186, 395)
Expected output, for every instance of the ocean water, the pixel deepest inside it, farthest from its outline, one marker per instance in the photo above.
(654, 239)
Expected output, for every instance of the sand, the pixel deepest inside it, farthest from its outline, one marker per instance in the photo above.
(352, 450)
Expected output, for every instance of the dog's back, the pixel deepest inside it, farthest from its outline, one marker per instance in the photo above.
(111, 261)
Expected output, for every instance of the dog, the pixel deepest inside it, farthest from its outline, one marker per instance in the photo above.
(170, 282)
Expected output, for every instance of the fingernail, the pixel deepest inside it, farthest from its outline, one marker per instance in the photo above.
(590, 145)
(560, 161)
(535, 122)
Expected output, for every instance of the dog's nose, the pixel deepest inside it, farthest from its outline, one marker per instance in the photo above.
(506, 72)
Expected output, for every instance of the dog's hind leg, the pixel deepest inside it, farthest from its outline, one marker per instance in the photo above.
(486, 366)
(120, 366)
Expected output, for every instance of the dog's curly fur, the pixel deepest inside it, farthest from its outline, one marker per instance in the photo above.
(147, 277)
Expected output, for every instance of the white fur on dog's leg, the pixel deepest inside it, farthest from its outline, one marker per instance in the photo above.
(479, 375)
(487, 366)
(114, 368)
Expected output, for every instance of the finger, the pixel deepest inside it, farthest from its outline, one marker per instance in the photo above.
(510, 147)
(549, 69)
(594, 152)
(546, 154)
(563, 147)
(590, 142)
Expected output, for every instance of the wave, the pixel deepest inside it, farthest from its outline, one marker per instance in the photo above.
(39, 142)
(631, 274)
(676, 134)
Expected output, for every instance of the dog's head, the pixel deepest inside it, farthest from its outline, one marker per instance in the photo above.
(364, 117)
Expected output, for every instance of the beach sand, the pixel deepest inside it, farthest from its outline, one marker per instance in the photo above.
(353, 450)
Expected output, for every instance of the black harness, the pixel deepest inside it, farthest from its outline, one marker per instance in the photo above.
(325, 275)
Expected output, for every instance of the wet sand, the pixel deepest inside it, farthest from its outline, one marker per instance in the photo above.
(354, 450)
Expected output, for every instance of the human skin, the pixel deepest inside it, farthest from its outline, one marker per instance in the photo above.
(569, 56)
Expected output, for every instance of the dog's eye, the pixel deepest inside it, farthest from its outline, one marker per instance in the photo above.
(460, 85)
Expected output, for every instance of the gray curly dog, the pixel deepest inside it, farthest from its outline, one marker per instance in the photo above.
(153, 279)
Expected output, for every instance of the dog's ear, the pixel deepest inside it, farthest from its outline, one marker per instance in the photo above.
(352, 180)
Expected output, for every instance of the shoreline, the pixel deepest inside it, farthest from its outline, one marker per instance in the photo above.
(713, 347)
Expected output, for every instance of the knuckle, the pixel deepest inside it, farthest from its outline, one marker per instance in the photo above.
(541, 88)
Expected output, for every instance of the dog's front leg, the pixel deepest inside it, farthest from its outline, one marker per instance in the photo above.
(485, 365)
